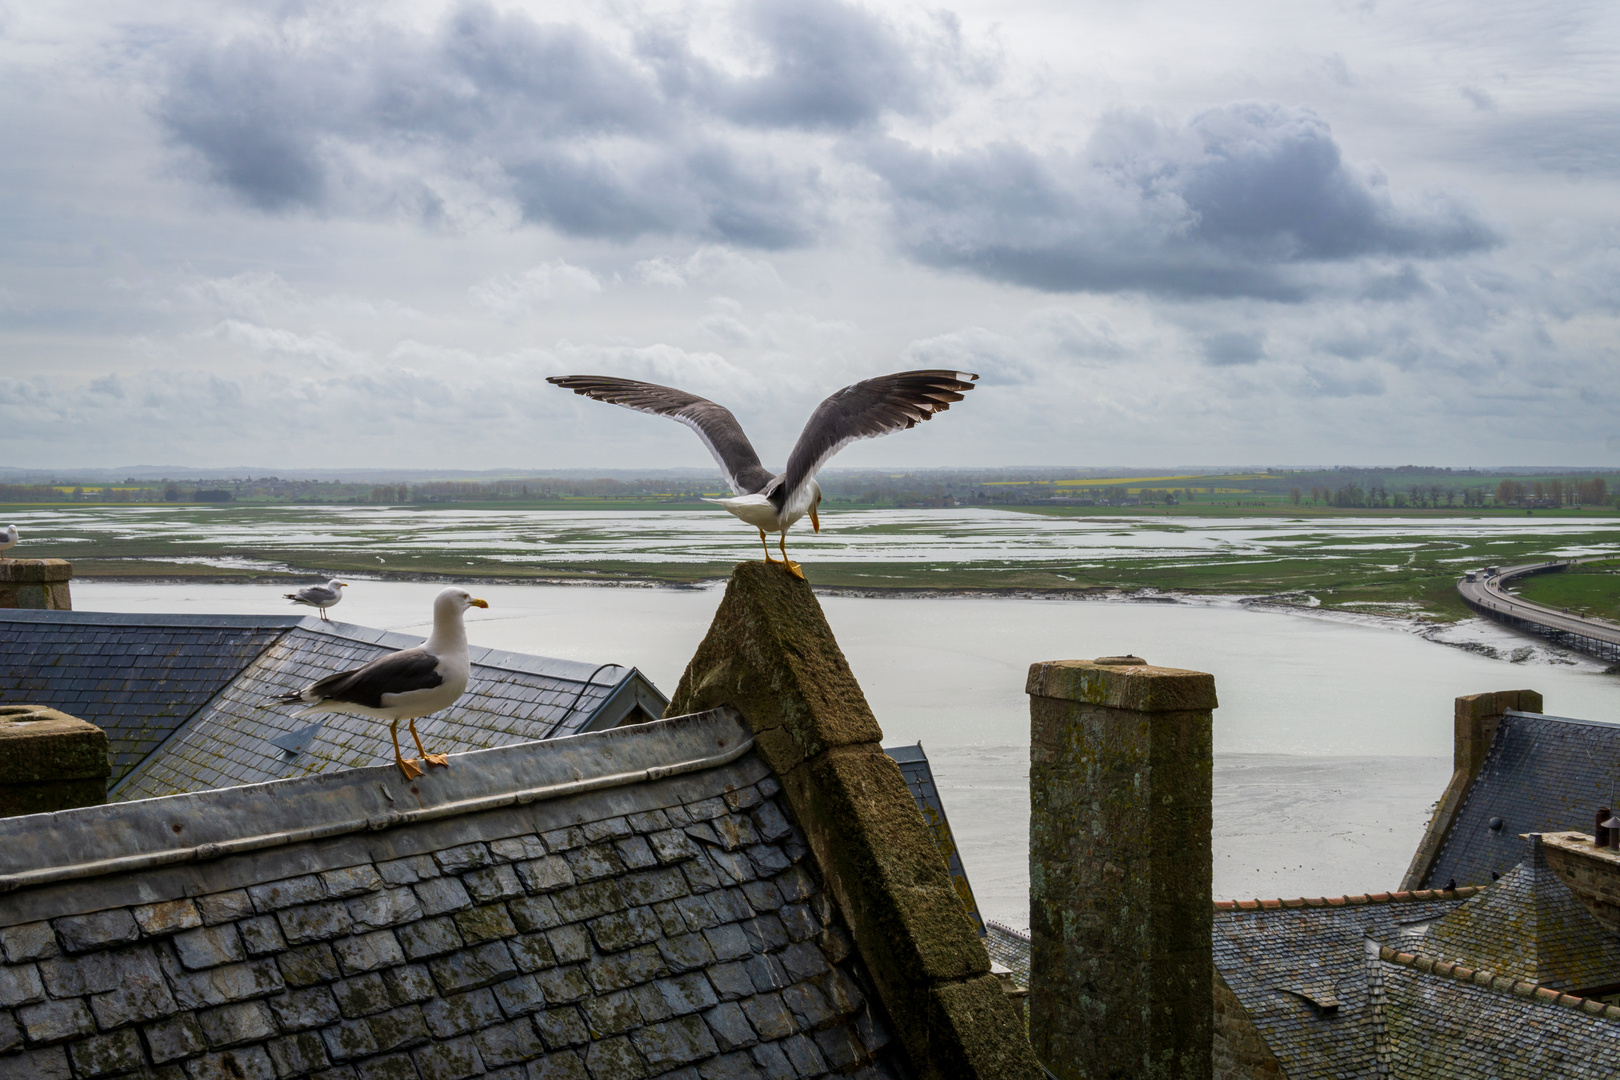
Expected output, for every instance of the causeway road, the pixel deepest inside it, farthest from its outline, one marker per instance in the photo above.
(1487, 594)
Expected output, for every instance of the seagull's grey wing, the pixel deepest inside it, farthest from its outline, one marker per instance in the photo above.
(315, 594)
(396, 673)
(714, 424)
(866, 410)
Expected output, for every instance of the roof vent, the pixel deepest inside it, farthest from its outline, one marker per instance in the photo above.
(295, 742)
(1496, 824)
(1319, 995)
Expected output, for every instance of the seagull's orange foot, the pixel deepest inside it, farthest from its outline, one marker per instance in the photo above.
(436, 759)
(408, 767)
(793, 568)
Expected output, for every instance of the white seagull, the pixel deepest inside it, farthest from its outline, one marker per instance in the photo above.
(8, 539)
(319, 597)
(772, 502)
(402, 685)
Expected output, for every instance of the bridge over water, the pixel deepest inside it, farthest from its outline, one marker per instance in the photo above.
(1486, 593)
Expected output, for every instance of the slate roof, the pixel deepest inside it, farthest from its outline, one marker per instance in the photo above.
(1541, 774)
(919, 776)
(1530, 926)
(137, 681)
(1444, 1025)
(185, 699)
(1299, 968)
(575, 908)
(1009, 948)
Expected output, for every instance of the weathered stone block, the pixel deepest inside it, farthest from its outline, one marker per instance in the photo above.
(770, 654)
(41, 584)
(49, 761)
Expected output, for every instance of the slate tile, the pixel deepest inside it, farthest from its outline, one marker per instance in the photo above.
(21, 985)
(397, 1028)
(56, 1021)
(309, 965)
(361, 995)
(300, 1010)
(232, 982)
(261, 935)
(614, 1059)
(106, 1055)
(167, 917)
(518, 848)
(561, 1027)
(315, 922)
(367, 952)
(141, 997)
(430, 937)
(808, 1005)
(458, 1014)
(465, 857)
(351, 880)
(611, 1014)
(563, 985)
(298, 1055)
(472, 968)
(730, 1026)
(208, 946)
(177, 1037)
(349, 1040)
(290, 892)
(409, 983)
(28, 941)
(485, 923)
(233, 1025)
(388, 907)
(506, 1044)
(439, 895)
(454, 1059)
(81, 933)
(492, 883)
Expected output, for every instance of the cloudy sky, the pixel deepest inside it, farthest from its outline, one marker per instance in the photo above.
(1164, 232)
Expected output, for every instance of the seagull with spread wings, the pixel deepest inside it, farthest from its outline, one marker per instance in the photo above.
(403, 685)
(772, 502)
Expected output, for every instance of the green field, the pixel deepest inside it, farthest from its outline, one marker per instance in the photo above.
(1590, 589)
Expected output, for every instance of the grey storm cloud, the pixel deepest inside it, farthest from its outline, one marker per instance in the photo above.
(1240, 201)
(585, 138)
(599, 141)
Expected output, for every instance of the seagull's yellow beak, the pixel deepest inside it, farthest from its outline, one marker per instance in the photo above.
(478, 603)
(343, 584)
(815, 522)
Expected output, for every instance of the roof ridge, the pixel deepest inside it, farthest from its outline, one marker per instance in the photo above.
(1356, 900)
(1524, 988)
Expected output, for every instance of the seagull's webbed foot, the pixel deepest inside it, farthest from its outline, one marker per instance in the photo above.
(427, 758)
(408, 768)
(788, 564)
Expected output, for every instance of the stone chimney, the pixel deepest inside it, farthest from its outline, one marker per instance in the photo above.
(36, 583)
(1120, 866)
(1474, 721)
(49, 761)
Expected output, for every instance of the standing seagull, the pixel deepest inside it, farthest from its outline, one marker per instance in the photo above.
(402, 685)
(772, 503)
(320, 597)
(8, 539)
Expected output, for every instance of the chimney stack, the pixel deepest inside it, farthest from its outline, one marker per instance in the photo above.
(50, 761)
(36, 583)
(1120, 863)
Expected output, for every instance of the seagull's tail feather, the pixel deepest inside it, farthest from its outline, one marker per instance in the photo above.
(294, 698)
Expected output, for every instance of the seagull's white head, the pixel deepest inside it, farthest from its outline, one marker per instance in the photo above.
(335, 584)
(455, 601)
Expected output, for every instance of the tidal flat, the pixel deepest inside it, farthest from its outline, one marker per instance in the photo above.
(1396, 565)
(1333, 736)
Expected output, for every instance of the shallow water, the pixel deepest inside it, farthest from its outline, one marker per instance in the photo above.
(1333, 736)
(256, 536)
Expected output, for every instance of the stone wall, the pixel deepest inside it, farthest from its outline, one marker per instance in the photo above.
(1240, 1051)
(1592, 874)
(36, 583)
(50, 761)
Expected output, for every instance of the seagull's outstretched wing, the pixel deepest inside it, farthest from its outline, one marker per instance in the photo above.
(866, 410)
(396, 673)
(714, 424)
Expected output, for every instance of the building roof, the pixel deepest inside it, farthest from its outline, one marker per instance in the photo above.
(1541, 774)
(1299, 968)
(628, 903)
(1452, 1023)
(1530, 926)
(186, 700)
